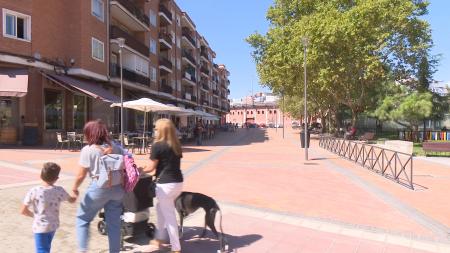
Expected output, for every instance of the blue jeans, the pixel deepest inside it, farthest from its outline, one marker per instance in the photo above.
(95, 199)
(43, 241)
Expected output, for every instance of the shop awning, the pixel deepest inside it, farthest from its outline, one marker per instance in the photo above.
(13, 82)
(89, 88)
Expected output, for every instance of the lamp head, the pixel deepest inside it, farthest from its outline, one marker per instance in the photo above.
(305, 40)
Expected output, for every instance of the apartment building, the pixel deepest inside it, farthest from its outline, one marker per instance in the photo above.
(60, 64)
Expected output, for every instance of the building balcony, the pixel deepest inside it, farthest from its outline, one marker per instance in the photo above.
(165, 14)
(190, 78)
(190, 59)
(204, 102)
(165, 64)
(204, 70)
(194, 99)
(129, 14)
(166, 88)
(165, 41)
(216, 92)
(187, 21)
(130, 40)
(204, 54)
(128, 75)
(205, 86)
(187, 35)
(215, 105)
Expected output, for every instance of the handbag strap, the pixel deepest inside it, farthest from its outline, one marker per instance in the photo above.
(157, 178)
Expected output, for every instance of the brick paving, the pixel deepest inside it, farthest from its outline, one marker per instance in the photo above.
(272, 201)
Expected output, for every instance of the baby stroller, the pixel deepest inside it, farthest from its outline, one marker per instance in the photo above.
(136, 211)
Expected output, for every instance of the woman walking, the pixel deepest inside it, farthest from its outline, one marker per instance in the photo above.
(96, 198)
(165, 161)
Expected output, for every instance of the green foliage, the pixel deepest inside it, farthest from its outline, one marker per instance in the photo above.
(406, 107)
(356, 47)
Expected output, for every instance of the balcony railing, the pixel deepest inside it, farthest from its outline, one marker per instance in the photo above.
(216, 92)
(205, 102)
(204, 70)
(186, 34)
(166, 36)
(187, 96)
(205, 86)
(188, 56)
(166, 88)
(130, 40)
(215, 105)
(204, 54)
(190, 76)
(135, 10)
(165, 62)
(194, 99)
(166, 12)
(129, 75)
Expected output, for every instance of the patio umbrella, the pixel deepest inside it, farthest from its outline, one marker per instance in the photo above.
(147, 105)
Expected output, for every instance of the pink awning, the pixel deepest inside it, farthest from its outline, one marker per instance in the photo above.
(92, 89)
(13, 82)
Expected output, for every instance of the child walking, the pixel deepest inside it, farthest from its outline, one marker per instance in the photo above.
(42, 204)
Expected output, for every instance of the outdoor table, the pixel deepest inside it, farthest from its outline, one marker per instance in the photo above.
(138, 142)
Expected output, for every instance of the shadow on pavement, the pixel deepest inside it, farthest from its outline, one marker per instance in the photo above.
(241, 137)
(191, 243)
(194, 150)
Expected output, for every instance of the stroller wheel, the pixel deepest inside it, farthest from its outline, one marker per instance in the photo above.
(150, 231)
(101, 226)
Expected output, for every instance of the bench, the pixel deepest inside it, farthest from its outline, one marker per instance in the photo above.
(368, 136)
(436, 146)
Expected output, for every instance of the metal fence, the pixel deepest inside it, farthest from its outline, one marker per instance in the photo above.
(391, 164)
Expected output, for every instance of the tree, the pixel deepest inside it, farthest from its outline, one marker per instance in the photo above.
(405, 107)
(355, 48)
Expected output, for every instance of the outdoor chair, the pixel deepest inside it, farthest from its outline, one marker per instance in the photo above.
(127, 144)
(73, 140)
(60, 141)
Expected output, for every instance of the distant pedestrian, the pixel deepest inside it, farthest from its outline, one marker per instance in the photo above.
(198, 131)
(42, 204)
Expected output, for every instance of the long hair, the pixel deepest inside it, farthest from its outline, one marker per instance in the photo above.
(167, 133)
(96, 133)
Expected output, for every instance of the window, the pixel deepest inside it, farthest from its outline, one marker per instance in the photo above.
(259, 112)
(152, 18)
(153, 46)
(263, 112)
(270, 111)
(178, 20)
(53, 109)
(141, 66)
(98, 50)
(79, 112)
(16, 25)
(6, 112)
(98, 9)
(153, 74)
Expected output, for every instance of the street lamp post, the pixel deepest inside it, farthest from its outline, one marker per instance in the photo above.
(305, 45)
(121, 42)
(282, 94)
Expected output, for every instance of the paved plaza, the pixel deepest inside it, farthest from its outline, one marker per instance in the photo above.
(271, 199)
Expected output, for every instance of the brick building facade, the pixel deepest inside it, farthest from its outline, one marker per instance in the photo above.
(69, 55)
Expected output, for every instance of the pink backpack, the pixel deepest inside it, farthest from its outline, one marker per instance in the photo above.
(131, 175)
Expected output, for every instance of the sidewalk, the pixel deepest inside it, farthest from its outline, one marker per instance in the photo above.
(271, 199)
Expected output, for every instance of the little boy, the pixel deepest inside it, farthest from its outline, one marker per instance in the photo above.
(42, 203)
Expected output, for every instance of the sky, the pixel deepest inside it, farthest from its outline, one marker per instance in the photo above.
(225, 25)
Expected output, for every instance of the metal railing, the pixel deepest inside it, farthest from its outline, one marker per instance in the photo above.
(135, 10)
(166, 12)
(391, 164)
(130, 40)
(129, 75)
(185, 33)
(188, 56)
(165, 62)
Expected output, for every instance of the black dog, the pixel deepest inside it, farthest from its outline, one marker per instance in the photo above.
(188, 202)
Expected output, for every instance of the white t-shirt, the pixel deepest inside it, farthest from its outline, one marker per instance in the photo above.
(44, 202)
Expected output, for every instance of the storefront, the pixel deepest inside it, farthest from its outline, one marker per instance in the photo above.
(13, 87)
